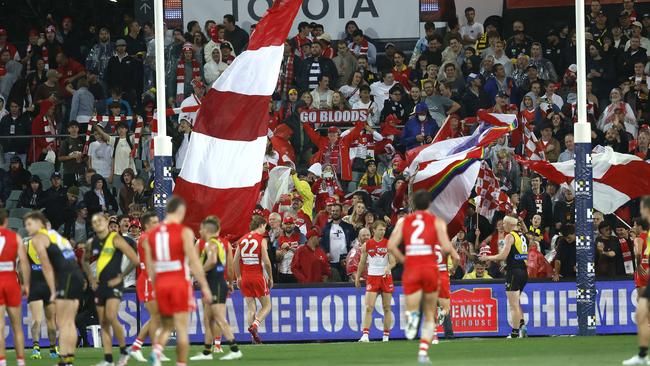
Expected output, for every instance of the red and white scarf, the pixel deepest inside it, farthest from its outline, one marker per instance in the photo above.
(286, 77)
(50, 129)
(628, 258)
(363, 47)
(180, 77)
(112, 121)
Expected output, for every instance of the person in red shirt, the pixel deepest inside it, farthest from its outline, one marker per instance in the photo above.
(251, 261)
(5, 45)
(334, 149)
(10, 288)
(310, 263)
(169, 249)
(420, 231)
(70, 71)
(324, 215)
(400, 71)
(374, 254)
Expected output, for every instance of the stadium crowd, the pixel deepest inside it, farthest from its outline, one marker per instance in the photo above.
(58, 78)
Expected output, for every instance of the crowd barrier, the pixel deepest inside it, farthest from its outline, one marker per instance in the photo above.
(334, 313)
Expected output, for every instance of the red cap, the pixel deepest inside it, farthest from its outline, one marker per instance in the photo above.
(313, 233)
(50, 29)
(3, 32)
(332, 129)
(288, 220)
(285, 199)
(187, 46)
(330, 201)
(348, 202)
(135, 222)
(198, 83)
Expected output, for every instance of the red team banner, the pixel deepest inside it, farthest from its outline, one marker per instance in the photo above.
(524, 4)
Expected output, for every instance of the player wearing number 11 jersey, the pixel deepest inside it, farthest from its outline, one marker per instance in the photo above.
(421, 231)
(251, 260)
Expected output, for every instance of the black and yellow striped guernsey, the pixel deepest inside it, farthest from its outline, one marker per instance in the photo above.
(518, 254)
(109, 258)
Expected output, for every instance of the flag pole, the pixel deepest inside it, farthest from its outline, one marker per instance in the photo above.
(586, 294)
(162, 160)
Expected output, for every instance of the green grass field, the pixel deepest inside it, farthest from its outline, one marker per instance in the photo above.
(555, 351)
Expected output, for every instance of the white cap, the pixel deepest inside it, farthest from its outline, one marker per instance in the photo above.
(316, 169)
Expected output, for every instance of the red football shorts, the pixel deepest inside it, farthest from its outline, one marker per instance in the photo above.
(420, 278)
(254, 286)
(640, 281)
(10, 291)
(174, 297)
(444, 292)
(144, 289)
(383, 284)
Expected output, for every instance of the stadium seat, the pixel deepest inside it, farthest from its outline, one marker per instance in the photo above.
(23, 233)
(15, 223)
(19, 212)
(12, 201)
(43, 169)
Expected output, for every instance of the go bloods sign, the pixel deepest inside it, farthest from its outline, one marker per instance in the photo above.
(334, 117)
(376, 17)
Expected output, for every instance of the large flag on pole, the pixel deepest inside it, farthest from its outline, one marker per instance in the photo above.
(222, 172)
(618, 177)
(490, 197)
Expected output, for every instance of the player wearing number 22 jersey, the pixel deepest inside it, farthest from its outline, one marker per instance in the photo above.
(251, 260)
(421, 232)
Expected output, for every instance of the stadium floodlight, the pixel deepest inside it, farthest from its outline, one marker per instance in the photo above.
(585, 281)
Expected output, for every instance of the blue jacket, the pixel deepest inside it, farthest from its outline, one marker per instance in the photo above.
(350, 235)
(413, 128)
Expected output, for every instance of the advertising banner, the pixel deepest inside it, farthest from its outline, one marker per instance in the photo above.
(312, 314)
(376, 18)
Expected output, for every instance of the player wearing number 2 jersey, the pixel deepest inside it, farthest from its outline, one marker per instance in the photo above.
(11, 248)
(515, 254)
(420, 232)
(169, 249)
(251, 260)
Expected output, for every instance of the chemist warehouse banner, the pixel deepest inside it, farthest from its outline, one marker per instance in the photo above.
(309, 314)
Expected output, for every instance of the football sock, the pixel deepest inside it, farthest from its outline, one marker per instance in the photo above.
(69, 359)
(521, 323)
(20, 361)
(386, 332)
(233, 346)
(36, 346)
(123, 351)
(643, 351)
(3, 361)
(366, 331)
(137, 345)
(108, 358)
(217, 341)
(207, 349)
(256, 323)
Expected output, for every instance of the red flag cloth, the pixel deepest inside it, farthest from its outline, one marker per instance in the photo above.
(492, 197)
(222, 172)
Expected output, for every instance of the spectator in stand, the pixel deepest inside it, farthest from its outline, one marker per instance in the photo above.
(423, 43)
(544, 66)
(420, 129)
(471, 31)
(304, 192)
(454, 53)
(15, 123)
(50, 89)
(99, 198)
(18, 175)
(479, 272)
(310, 263)
(433, 52)
(609, 257)
(452, 78)
(393, 105)
(135, 43)
(334, 149)
(365, 102)
(100, 153)
(78, 229)
(633, 54)
(564, 209)
(53, 47)
(71, 155)
(361, 46)
(371, 180)
(32, 195)
(380, 90)
(565, 260)
(301, 39)
(215, 67)
(286, 246)
(126, 193)
(53, 200)
(501, 83)
(619, 114)
(627, 247)
(439, 106)
(346, 64)
(385, 62)
(366, 73)
(44, 124)
(400, 71)
(551, 145)
(568, 153)
(536, 202)
(517, 45)
(101, 53)
(313, 67)
(234, 34)
(475, 96)
(124, 72)
(121, 150)
(70, 71)
(336, 241)
(141, 196)
(384, 206)
(325, 41)
(642, 148)
(83, 104)
(322, 95)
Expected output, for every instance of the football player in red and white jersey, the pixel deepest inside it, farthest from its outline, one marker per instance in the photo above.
(380, 278)
(640, 228)
(169, 248)
(251, 261)
(444, 293)
(11, 248)
(144, 291)
(421, 231)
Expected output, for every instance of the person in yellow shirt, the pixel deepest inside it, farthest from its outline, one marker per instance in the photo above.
(478, 273)
(304, 190)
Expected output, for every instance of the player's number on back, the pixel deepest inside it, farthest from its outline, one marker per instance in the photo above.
(162, 246)
(524, 245)
(249, 244)
(418, 229)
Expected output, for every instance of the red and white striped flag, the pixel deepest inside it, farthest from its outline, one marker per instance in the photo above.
(222, 172)
(533, 148)
(492, 198)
